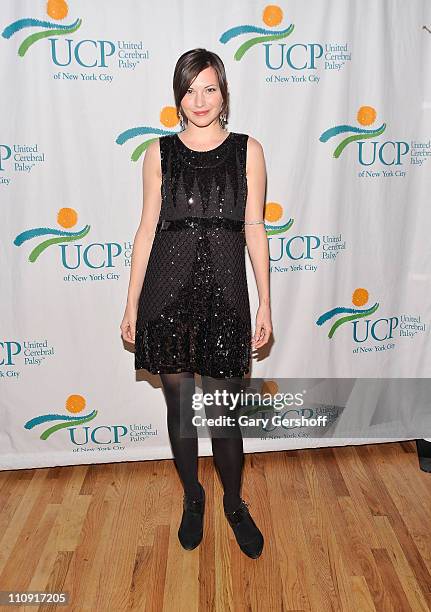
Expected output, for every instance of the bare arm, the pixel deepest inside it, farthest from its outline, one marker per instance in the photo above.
(144, 237)
(256, 238)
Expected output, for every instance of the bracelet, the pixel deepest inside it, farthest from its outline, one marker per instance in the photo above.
(252, 222)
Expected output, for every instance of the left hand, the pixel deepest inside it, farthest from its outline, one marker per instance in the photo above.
(263, 326)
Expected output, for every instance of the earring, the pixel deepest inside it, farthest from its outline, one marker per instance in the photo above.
(181, 120)
(223, 120)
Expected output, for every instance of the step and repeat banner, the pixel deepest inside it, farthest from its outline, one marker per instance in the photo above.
(337, 92)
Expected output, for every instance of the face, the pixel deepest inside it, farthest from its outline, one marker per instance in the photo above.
(203, 100)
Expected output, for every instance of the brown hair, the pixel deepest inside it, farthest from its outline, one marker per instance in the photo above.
(187, 68)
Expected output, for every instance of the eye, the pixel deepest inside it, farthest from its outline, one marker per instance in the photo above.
(211, 88)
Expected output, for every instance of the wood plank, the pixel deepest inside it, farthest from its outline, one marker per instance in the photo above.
(345, 529)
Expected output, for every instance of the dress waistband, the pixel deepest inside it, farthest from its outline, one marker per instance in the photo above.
(206, 222)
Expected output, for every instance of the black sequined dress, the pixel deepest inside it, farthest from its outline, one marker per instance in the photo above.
(194, 311)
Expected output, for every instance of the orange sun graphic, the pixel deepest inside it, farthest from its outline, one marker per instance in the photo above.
(273, 211)
(57, 9)
(168, 116)
(272, 15)
(270, 387)
(366, 115)
(360, 296)
(75, 403)
(67, 217)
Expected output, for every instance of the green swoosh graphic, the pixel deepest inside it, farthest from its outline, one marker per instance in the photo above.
(35, 37)
(44, 245)
(351, 318)
(141, 148)
(281, 230)
(258, 39)
(345, 142)
(258, 408)
(55, 428)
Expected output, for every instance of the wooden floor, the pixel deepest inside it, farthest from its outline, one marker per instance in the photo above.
(346, 528)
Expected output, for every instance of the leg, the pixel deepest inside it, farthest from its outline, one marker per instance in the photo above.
(229, 459)
(227, 444)
(184, 449)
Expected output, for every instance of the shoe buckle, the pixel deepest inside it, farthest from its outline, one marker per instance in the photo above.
(193, 505)
(237, 515)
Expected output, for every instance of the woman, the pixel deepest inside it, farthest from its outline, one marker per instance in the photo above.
(187, 308)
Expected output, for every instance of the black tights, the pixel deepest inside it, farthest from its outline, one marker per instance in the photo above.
(227, 444)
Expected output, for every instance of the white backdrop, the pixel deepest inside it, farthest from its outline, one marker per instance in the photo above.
(338, 93)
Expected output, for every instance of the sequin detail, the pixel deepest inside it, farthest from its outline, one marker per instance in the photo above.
(194, 311)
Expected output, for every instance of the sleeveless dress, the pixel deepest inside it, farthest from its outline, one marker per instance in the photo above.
(194, 311)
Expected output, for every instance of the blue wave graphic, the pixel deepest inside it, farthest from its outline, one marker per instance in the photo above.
(44, 418)
(11, 29)
(140, 131)
(44, 231)
(248, 29)
(339, 129)
(338, 310)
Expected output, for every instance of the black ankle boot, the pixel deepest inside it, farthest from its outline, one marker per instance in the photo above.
(423, 448)
(190, 531)
(247, 534)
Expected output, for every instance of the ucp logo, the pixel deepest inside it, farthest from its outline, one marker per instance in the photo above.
(94, 255)
(8, 350)
(389, 152)
(363, 326)
(5, 153)
(294, 247)
(86, 53)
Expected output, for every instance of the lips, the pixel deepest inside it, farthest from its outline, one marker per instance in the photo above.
(201, 112)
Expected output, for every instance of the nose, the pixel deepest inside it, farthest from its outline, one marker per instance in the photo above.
(200, 99)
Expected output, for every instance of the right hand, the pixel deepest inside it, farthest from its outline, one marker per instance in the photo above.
(128, 324)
